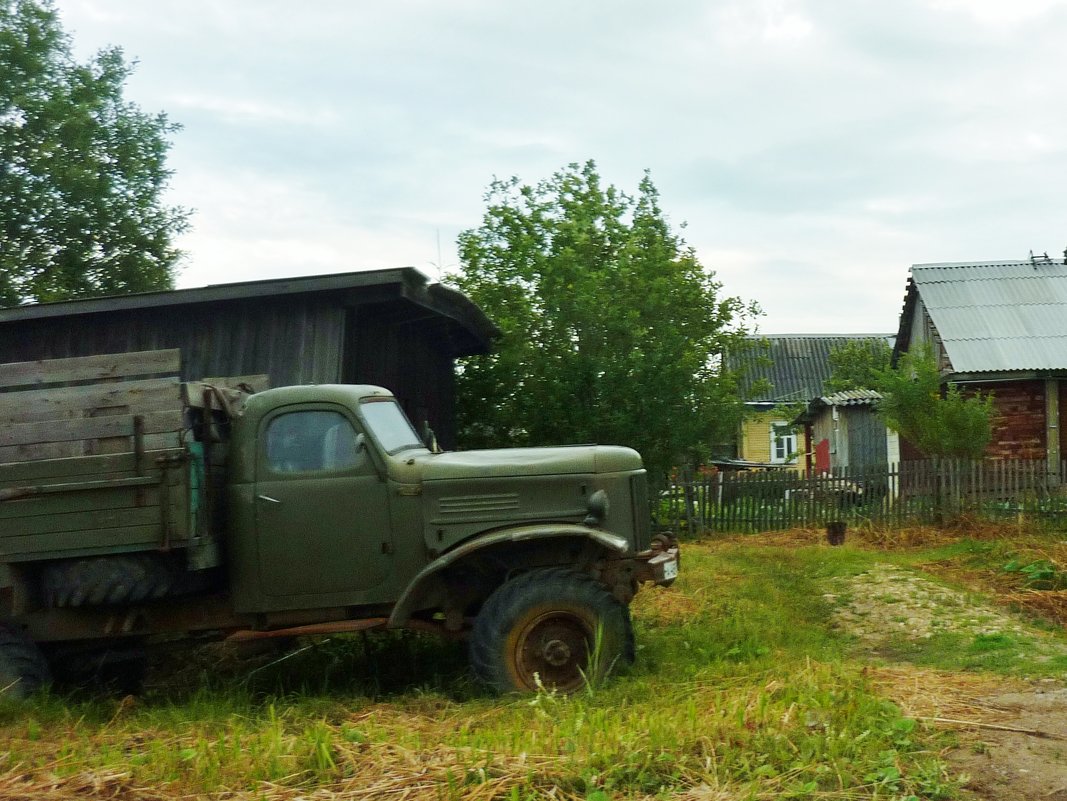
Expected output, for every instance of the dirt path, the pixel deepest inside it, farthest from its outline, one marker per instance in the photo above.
(1013, 733)
(1017, 766)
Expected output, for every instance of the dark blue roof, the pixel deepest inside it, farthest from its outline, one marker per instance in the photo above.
(795, 365)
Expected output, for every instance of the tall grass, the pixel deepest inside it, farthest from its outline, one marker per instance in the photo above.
(741, 687)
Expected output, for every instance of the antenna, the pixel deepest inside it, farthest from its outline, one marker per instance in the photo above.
(1044, 259)
(439, 265)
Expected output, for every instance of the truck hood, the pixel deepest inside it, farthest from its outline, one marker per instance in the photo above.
(529, 462)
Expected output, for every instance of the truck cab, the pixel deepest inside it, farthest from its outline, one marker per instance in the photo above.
(334, 499)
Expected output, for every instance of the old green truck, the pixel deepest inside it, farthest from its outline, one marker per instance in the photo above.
(135, 507)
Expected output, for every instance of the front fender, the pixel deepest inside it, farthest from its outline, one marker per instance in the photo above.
(408, 601)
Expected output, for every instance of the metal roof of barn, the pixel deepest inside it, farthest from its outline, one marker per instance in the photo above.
(795, 365)
(997, 316)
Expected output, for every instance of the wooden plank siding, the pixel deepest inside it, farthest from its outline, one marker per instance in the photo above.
(147, 395)
(86, 447)
(866, 437)
(102, 467)
(389, 350)
(294, 340)
(103, 367)
(70, 429)
(85, 513)
(57, 496)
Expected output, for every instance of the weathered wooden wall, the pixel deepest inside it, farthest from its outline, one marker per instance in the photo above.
(866, 437)
(100, 414)
(311, 338)
(408, 356)
(294, 340)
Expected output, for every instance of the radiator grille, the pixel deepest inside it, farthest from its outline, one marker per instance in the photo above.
(478, 504)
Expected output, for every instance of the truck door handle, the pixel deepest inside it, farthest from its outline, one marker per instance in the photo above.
(268, 498)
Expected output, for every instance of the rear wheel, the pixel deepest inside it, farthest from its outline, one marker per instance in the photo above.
(120, 579)
(23, 669)
(555, 628)
(116, 667)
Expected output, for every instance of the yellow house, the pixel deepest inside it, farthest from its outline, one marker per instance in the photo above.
(768, 437)
(779, 379)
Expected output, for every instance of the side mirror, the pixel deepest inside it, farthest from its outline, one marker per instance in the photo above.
(361, 443)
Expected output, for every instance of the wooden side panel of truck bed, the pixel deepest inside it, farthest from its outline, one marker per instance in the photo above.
(93, 457)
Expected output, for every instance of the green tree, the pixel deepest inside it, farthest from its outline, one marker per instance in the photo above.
(937, 418)
(857, 364)
(612, 332)
(81, 170)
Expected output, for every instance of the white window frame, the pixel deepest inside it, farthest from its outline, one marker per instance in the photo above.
(788, 442)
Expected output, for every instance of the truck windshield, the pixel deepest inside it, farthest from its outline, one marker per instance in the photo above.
(390, 426)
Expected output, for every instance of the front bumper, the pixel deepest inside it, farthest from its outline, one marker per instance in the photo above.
(660, 563)
(662, 568)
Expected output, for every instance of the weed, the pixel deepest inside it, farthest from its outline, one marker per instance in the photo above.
(1040, 574)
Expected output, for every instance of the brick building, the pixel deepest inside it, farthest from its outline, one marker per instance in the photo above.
(998, 327)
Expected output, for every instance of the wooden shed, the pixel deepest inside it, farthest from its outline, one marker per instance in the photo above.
(842, 432)
(389, 327)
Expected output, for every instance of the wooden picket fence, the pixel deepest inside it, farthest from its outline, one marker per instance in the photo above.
(920, 491)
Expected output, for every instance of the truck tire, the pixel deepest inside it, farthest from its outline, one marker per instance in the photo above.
(96, 581)
(539, 629)
(117, 667)
(23, 669)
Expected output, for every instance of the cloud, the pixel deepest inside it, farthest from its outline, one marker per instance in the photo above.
(253, 112)
(816, 149)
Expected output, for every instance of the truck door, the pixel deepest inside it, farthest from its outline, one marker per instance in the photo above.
(322, 515)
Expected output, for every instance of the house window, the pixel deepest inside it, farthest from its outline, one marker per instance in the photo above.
(783, 442)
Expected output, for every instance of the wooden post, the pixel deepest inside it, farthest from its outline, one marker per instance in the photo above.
(1052, 426)
(138, 444)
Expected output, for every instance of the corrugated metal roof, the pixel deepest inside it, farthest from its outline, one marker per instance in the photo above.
(795, 365)
(851, 397)
(998, 316)
(848, 397)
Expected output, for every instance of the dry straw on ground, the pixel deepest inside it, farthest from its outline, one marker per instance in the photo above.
(923, 693)
(380, 771)
(1048, 604)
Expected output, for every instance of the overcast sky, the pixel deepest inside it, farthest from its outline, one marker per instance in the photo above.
(814, 150)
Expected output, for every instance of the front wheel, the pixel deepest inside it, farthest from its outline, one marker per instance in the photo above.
(23, 669)
(553, 627)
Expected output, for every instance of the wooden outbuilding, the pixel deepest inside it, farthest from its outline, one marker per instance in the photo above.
(843, 433)
(998, 328)
(390, 327)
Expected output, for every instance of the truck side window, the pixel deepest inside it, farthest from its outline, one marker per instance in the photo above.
(299, 442)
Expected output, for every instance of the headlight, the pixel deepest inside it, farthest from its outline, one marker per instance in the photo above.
(598, 508)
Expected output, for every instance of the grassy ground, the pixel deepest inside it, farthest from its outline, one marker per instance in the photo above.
(744, 689)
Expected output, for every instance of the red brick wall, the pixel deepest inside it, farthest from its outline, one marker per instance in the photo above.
(1063, 419)
(1018, 419)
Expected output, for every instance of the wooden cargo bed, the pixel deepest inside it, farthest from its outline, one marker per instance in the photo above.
(98, 454)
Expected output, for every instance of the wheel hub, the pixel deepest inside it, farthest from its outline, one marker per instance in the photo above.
(553, 649)
(556, 653)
